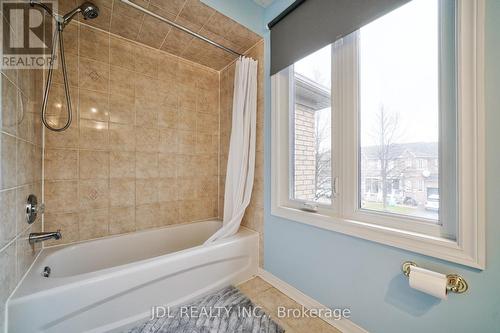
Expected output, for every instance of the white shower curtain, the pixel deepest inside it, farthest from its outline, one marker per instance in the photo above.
(241, 159)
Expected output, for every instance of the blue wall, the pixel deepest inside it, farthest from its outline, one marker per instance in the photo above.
(343, 271)
(245, 12)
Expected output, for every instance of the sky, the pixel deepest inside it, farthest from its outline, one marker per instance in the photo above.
(398, 69)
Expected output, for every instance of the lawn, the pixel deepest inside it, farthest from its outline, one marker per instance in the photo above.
(405, 210)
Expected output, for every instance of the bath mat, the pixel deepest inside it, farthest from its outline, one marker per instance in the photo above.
(225, 311)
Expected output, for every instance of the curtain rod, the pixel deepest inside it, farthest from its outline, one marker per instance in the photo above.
(180, 27)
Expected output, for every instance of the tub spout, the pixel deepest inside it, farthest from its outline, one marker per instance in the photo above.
(36, 237)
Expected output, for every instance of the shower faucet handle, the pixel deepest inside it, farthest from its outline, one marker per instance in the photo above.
(33, 208)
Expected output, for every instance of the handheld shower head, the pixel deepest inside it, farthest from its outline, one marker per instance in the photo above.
(88, 10)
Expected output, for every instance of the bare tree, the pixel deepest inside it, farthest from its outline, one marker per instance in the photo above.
(322, 149)
(386, 132)
(323, 163)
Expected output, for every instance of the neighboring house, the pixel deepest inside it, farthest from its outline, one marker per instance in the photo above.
(312, 169)
(412, 167)
(412, 173)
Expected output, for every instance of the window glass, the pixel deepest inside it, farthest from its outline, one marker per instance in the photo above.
(311, 157)
(399, 111)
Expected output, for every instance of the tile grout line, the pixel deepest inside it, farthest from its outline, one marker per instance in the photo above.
(142, 22)
(198, 32)
(244, 53)
(43, 163)
(170, 30)
(18, 233)
(108, 100)
(78, 194)
(219, 152)
(176, 18)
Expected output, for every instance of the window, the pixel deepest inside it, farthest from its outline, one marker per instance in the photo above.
(421, 188)
(311, 129)
(398, 63)
(422, 163)
(366, 132)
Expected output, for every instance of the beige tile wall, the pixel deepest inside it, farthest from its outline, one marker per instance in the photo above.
(143, 149)
(128, 22)
(20, 174)
(253, 218)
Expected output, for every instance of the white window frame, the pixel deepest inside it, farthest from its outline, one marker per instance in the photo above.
(344, 216)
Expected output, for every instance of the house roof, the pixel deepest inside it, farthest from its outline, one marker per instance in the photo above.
(417, 149)
(311, 94)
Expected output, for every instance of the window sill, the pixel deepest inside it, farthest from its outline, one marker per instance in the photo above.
(436, 247)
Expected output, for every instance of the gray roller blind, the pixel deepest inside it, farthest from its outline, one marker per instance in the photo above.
(312, 24)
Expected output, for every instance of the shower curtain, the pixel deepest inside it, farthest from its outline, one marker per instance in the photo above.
(241, 159)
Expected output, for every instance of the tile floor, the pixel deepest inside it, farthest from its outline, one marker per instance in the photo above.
(270, 298)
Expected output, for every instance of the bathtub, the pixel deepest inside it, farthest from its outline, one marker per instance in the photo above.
(109, 284)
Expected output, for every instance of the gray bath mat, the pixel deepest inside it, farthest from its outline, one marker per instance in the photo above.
(225, 311)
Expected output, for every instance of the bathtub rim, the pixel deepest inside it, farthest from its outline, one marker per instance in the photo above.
(44, 247)
(114, 271)
(132, 233)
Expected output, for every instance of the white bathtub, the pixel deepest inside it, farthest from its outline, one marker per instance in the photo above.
(107, 284)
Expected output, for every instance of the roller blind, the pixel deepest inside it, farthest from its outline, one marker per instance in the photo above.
(308, 25)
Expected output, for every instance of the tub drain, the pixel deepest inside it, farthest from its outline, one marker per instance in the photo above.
(46, 271)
